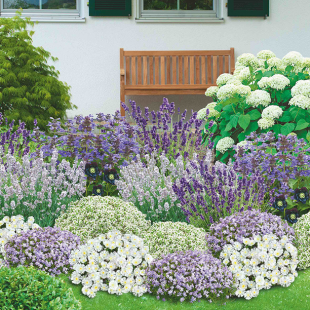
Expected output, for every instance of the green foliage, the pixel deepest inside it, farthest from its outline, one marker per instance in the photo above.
(28, 288)
(29, 87)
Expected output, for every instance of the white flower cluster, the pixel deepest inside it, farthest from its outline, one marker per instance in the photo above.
(111, 262)
(247, 60)
(229, 90)
(223, 79)
(301, 94)
(202, 114)
(293, 59)
(276, 63)
(212, 91)
(244, 74)
(258, 97)
(259, 263)
(266, 54)
(265, 123)
(224, 144)
(273, 112)
(277, 81)
(13, 226)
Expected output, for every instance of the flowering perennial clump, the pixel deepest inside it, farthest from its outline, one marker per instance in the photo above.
(169, 237)
(189, 275)
(224, 144)
(46, 248)
(94, 215)
(111, 262)
(9, 227)
(246, 224)
(260, 262)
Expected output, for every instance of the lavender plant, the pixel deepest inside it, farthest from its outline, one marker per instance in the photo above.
(190, 275)
(149, 186)
(245, 225)
(209, 194)
(284, 164)
(38, 189)
(47, 249)
(157, 131)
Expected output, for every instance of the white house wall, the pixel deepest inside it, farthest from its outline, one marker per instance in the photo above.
(89, 52)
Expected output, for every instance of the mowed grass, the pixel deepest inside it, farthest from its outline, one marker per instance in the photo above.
(296, 296)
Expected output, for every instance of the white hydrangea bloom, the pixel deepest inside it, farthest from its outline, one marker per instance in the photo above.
(212, 112)
(212, 91)
(247, 60)
(202, 114)
(276, 63)
(294, 59)
(263, 82)
(244, 74)
(224, 144)
(278, 81)
(272, 112)
(243, 90)
(265, 54)
(302, 87)
(223, 79)
(226, 91)
(258, 97)
(234, 81)
(265, 123)
(300, 101)
(238, 68)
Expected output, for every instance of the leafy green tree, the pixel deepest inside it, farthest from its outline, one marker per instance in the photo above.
(29, 86)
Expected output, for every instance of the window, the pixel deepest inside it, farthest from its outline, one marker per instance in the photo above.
(44, 10)
(179, 10)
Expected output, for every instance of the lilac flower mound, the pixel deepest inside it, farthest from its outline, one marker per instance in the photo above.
(46, 248)
(190, 275)
(246, 225)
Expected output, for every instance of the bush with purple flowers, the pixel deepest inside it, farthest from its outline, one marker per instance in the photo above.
(246, 225)
(47, 249)
(190, 275)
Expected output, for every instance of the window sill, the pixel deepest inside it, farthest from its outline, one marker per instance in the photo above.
(179, 20)
(48, 18)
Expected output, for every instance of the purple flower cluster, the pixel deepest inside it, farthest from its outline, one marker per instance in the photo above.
(208, 194)
(108, 139)
(46, 248)
(157, 131)
(277, 160)
(245, 225)
(190, 275)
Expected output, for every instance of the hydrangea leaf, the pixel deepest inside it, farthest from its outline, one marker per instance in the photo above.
(287, 128)
(286, 117)
(253, 127)
(254, 114)
(228, 126)
(234, 120)
(276, 128)
(244, 121)
(218, 107)
(301, 124)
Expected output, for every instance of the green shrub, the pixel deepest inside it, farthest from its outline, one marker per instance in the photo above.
(264, 94)
(29, 87)
(28, 288)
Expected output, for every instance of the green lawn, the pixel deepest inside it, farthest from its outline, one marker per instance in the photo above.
(297, 296)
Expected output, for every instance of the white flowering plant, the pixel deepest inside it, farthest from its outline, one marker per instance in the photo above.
(263, 94)
(112, 262)
(259, 263)
(10, 226)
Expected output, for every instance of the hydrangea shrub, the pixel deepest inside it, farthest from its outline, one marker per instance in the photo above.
(263, 94)
(260, 262)
(246, 224)
(95, 215)
(169, 237)
(45, 248)
(189, 275)
(111, 262)
(9, 227)
(35, 289)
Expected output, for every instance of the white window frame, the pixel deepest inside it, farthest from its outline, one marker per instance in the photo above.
(181, 16)
(45, 15)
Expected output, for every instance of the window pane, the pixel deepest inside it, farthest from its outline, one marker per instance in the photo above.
(160, 4)
(196, 4)
(58, 4)
(24, 4)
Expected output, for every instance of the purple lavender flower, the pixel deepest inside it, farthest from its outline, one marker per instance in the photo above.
(190, 275)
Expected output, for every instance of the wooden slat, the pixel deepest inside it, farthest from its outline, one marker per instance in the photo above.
(162, 70)
(145, 70)
(127, 70)
(183, 86)
(180, 70)
(186, 70)
(151, 61)
(133, 71)
(221, 70)
(174, 69)
(232, 60)
(226, 64)
(209, 64)
(192, 70)
(197, 69)
(168, 70)
(140, 70)
(156, 70)
(177, 53)
(165, 92)
(215, 74)
(203, 70)
(122, 78)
